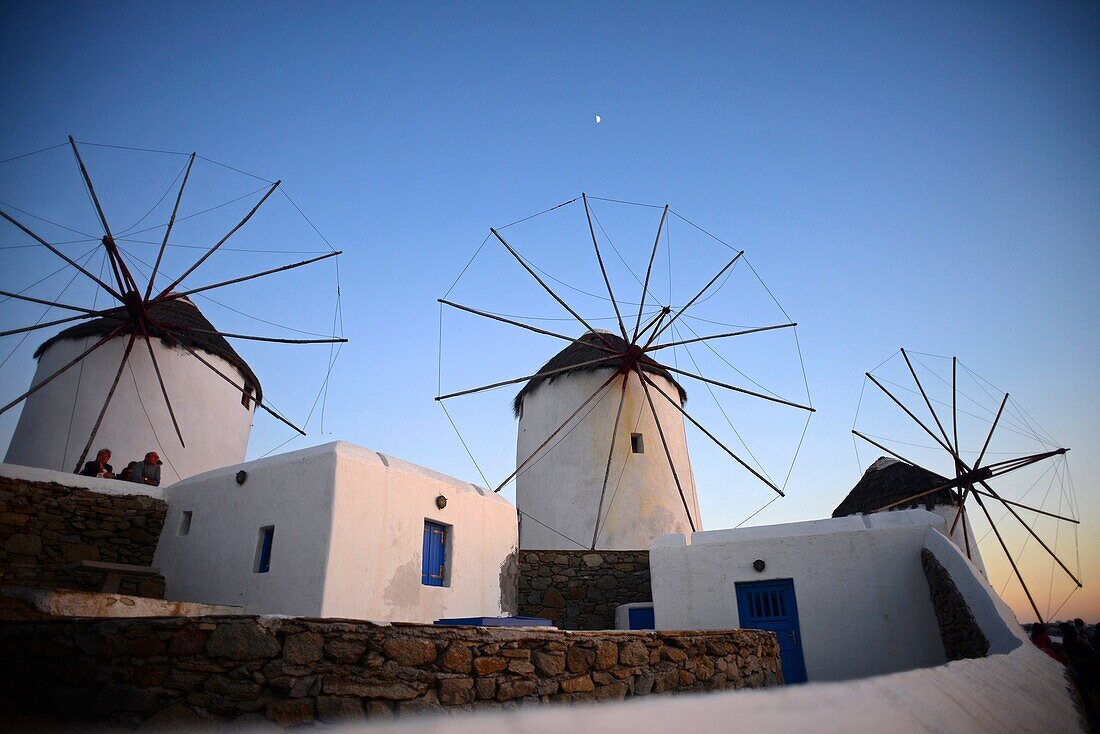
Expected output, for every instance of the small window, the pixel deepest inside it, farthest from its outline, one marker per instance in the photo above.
(263, 549)
(433, 569)
(185, 522)
(246, 397)
(637, 445)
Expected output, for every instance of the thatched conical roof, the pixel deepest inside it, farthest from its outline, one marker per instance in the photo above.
(888, 481)
(582, 351)
(180, 312)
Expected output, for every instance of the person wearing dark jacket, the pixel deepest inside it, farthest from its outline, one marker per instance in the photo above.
(147, 471)
(99, 467)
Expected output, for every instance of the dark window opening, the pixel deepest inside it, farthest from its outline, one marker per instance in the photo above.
(637, 445)
(246, 397)
(185, 522)
(263, 549)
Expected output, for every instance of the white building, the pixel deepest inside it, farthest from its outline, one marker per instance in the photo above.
(214, 417)
(560, 487)
(339, 531)
(847, 597)
(889, 481)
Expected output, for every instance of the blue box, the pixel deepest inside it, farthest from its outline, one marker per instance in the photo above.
(495, 622)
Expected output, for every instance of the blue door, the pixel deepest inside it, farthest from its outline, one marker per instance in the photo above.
(641, 618)
(433, 570)
(770, 606)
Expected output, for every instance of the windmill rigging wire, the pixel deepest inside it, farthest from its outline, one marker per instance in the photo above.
(1034, 522)
(1008, 425)
(13, 207)
(730, 364)
(308, 220)
(137, 391)
(80, 372)
(539, 214)
(467, 265)
(722, 410)
(631, 203)
(84, 259)
(55, 244)
(231, 168)
(484, 479)
(258, 250)
(33, 152)
(199, 213)
(129, 147)
(163, 196)
(622, 473)
(766, 506)
(981, 406)
(147, 270)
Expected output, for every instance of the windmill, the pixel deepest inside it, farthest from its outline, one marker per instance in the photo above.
(147, 314)
(973, 480)
(630, 363)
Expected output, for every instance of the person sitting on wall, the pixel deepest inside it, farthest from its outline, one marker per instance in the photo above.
(99, 467)
(1042, 641)
(147, 471)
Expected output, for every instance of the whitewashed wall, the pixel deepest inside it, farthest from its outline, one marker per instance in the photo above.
(562, 489)
(947, 512)
(214, 423)
(348, 538)
(863, 601)
(377, 542)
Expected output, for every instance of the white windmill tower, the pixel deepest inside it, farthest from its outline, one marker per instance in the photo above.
(641, 493)
(148, 372)
(213, 414)
(602, 456)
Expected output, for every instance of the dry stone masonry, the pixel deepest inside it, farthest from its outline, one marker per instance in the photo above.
(962, 637)
(192, 671)
(579, 590)
(45, 526)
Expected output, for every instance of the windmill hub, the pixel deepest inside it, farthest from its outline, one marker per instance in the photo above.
(135, 306)
(631, 357)
(978, 475)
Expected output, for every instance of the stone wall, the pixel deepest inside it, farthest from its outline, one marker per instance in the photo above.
(579, 590)
(45, 526)
(962, 637)
(184, 671)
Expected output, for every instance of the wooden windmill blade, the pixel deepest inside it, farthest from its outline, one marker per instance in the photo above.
(630, 358)
(136, 313)
(971, 481)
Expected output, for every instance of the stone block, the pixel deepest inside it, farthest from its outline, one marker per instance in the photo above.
(489, 665)
(335, 709)
(580, 659)
(454, 691)
(344, 650)
(243, 640)
(634, 652)
(291, 712)
(23, 544)
(521, 667)
(410, 651)
(303, 648)
(486, 688)
(607, 655)
(581, 683)
(512, 689)
(549, 664)
(187, 643)
(457, 658)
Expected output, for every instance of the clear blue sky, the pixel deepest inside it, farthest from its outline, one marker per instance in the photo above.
(919, 174)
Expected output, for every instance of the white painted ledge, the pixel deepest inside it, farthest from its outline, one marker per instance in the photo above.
(115, 487)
